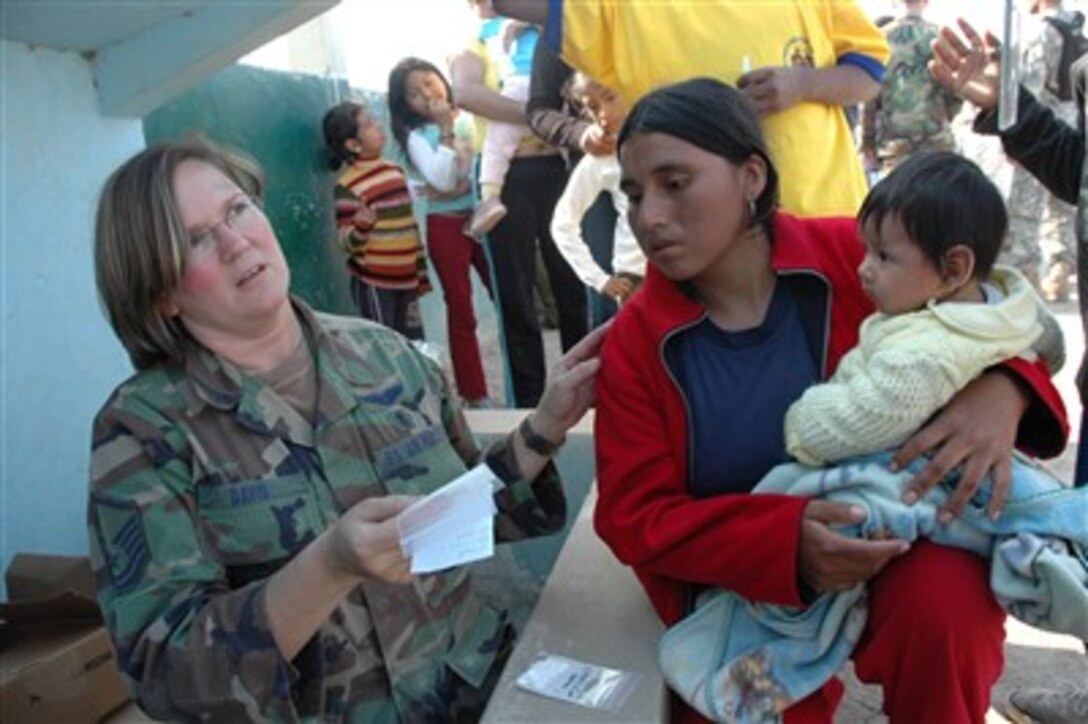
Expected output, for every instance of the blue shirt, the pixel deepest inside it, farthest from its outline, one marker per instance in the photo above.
(738, 386)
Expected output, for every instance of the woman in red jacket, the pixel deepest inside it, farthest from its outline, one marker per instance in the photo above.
(743, 307)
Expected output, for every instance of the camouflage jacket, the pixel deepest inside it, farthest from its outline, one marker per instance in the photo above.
(204, 482)
(1040, 58)
(912, 111)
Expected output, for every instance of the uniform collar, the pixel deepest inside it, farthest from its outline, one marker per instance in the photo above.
(224, 386)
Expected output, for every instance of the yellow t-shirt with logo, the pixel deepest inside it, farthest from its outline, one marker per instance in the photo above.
(637, 46)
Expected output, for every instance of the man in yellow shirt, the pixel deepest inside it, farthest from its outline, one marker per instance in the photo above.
(799, 61)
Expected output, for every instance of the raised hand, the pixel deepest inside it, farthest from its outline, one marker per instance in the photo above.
(442, 113)
(969, 66)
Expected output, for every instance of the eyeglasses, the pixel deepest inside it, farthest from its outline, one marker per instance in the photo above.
(241, 217)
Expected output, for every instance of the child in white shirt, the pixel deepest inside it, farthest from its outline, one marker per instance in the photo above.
(593, 175)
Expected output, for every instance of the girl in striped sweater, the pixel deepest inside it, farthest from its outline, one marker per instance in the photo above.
(375, 223)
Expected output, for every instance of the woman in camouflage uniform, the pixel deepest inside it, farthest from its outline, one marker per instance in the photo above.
(245, 481)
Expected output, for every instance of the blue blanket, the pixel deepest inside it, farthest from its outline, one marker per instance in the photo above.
(738, 661)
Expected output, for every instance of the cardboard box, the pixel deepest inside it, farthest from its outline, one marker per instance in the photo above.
(58, 664)
(66, 675)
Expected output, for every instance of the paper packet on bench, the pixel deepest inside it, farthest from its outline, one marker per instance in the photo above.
(453, 525)
(578, 682)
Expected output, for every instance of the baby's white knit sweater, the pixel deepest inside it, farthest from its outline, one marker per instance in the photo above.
(906, 367)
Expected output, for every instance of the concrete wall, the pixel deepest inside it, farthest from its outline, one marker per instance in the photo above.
(59, 357)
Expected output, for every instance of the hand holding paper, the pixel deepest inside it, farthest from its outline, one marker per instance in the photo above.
(364, 542)
(453, 525)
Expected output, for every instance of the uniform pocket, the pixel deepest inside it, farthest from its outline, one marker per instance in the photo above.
(479, 638)
(255, 521)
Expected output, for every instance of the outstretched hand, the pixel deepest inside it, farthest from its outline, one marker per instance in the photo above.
(969, 66)
(571, 387)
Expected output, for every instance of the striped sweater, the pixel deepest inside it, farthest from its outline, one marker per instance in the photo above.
(387, 254)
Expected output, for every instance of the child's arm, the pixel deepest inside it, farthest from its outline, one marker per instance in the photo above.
(583, 188)
(545, 110)
(354, 220)
(437, 165)
(869, 405)
(901, 373)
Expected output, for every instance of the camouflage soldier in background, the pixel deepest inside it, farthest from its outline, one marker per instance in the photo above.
(1041, 226)
(245, 481)
(1056, 151)
(912, 112)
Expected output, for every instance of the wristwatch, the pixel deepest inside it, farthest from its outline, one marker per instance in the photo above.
(538, 443)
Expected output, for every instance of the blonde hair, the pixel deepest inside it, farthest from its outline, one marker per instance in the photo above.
(141, 245)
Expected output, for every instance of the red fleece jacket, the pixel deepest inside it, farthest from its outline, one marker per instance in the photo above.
(746, 543)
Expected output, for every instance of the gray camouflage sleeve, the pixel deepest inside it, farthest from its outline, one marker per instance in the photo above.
(188, 645)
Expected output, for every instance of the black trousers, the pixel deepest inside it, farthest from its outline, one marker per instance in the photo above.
(533, 186)
(395, 308)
